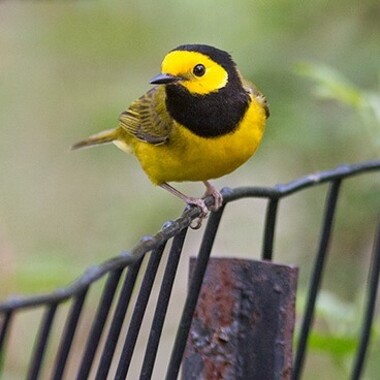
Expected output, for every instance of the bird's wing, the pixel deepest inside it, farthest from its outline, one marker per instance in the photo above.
(147, 118)
(252, 90)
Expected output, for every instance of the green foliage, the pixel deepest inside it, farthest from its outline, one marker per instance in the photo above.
(336, 346)
(332, 85)
(337, 327)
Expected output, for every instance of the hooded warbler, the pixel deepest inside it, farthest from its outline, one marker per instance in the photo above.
(200, 120)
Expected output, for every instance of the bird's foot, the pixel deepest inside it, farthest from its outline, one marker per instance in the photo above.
(198, 202)
(216, 194)
(218, 201)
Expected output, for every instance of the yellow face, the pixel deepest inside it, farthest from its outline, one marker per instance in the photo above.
(199, 74)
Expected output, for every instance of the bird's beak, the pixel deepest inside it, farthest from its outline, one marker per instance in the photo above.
(164, 79)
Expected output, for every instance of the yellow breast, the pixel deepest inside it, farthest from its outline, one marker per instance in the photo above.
(188, 157)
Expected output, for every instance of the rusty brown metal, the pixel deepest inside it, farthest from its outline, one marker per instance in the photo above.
(243, 324)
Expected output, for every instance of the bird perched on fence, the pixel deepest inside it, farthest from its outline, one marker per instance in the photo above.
(200, 121)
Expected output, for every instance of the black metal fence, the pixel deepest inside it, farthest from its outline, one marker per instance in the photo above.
(117, 321)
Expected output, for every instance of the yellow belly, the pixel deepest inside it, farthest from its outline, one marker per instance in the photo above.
(188, 157)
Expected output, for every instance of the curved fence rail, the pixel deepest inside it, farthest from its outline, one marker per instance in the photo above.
(106, 332)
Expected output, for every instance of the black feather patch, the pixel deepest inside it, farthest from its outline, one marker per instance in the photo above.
(211, 115)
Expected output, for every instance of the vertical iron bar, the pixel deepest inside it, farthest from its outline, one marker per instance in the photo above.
(41, 342)
(98, 324)
(373, 282)
(141, 303)
(316, 277)
(6, 322)
(118, 318)
(162, 305)
(270, 223)
(68, 335)
(192, 297)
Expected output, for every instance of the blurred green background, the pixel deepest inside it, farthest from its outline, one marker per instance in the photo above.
(67, 69)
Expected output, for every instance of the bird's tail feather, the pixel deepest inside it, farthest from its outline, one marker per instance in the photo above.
(97, 139)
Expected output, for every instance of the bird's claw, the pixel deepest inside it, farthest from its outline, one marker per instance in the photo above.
(198, 202)
(216, 194)
(218, 201)
(196, 224)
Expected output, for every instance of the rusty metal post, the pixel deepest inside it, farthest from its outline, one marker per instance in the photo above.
(243, 324)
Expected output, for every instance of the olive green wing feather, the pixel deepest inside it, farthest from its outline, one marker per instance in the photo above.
(252, 90)
(147, 118)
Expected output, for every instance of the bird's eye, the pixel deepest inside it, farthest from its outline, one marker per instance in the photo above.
(199, 70)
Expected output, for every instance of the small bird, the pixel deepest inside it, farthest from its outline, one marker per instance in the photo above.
(200, 120)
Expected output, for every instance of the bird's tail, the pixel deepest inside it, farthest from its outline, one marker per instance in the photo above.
(97, 139)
